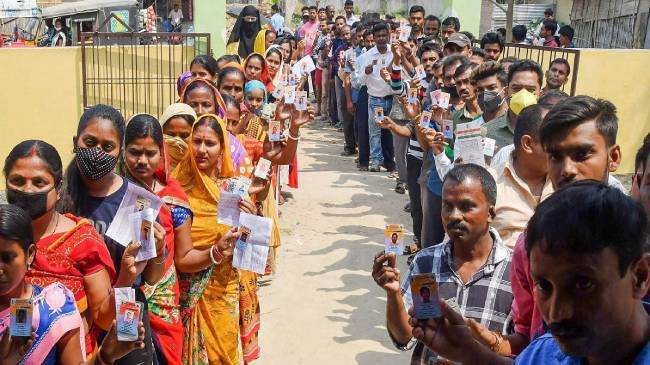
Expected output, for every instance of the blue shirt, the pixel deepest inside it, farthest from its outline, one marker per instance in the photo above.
(545, 350)
(277, 22)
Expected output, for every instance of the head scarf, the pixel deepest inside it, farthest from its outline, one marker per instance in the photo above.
(264, 76)
(274, 83)
(254, 84)
(220, 105)
(176, 146)
(245, 32)
(180, 82)
(234, 64)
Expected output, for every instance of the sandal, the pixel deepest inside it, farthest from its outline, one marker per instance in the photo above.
(400, 188)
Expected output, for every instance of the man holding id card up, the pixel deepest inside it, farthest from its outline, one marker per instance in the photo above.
(472, 267)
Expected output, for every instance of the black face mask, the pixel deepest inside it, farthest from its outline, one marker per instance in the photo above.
(94, 163)
(34, 204)
(451, 90)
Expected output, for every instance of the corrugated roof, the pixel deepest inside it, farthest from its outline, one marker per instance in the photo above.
(83, 6)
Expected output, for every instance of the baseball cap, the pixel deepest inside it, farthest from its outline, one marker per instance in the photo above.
(459, 39)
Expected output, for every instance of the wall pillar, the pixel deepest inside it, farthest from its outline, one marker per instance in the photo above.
(210, 17)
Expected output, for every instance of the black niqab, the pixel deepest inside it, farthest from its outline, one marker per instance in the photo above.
(245, 32)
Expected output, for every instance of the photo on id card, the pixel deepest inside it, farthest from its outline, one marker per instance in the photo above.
(448, 129)
(262, 168)
(394, 239)
(419, 71)
(424, 291)
(301, 100)
(413, 95)
(20, 323)
(275, 131)
(425, 118)
(290, 94)
(128, 319)
(379, 114)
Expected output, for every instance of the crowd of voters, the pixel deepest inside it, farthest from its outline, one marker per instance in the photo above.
(538, 251)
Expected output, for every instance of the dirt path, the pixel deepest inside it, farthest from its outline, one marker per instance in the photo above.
(322, 306)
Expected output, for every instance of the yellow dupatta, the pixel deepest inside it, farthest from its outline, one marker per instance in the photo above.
(211, 298)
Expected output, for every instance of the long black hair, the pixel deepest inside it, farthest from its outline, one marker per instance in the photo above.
(207, 62)
(42, 150)
(16, 225)
(230, 70)
(74, 192)
(142, 126)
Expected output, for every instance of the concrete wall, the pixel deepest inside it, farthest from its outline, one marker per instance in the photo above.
(209, 17)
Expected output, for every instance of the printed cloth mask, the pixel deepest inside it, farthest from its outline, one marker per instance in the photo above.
(94, 163)
(522, 99)
(489, 100)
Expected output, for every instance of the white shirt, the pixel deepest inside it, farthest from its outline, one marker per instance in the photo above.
(377, 86)
(176, 16)
(352, 19)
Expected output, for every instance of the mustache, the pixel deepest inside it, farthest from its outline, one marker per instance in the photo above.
(566, 329)
(456, 225)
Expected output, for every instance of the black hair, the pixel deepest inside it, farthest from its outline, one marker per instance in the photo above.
(339, 17)
(461, 173)
(379, 27)
(451, 22)
(585, 217)
(141, 126)
(304, 8)
(432, 18)
(276, 51)
(576, 110)
(16, 225)
(74, 197)
(552, 97)
(464, 68)
(477, 51)
(502, 32)
(275, 8)
(526, 65)
(641, 158)
(452, 60)
(562, 61)
(186, 117)
(228, 71)
(313, 7)
(528, 123)
(489, 69)
(229, 58)
(255, 55)
(348, 3)
(548, 11)
(321, 9)
(425, 289)
(214, 125)
(230, 102)
(194, 85)
(549, 24)
(429, 47)
(283, 40)
(567, 31)
(493, 38)
(42, 150)
(469, 35)
(519, 33)
(417, 9)
(207, 62)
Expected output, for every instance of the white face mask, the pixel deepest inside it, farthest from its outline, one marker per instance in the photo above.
(57, 28)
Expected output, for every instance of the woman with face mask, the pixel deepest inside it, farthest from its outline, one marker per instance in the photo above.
(243, 34)
(177, 121)
(56, 324)
(213, 332)
(68, 249)
(94, 191)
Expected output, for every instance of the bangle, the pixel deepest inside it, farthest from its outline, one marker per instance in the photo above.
(296, 138)
(497, 344)
(215, 261)
(417, 117)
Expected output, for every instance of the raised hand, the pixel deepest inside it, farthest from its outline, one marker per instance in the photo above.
(301, 117)
(13, 349)
(226, 245)
(112, 350)
(385, 272)
(130, 269)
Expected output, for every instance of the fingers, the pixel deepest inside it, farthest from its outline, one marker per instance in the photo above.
(450, 314)
(392, 259)
(132, 249)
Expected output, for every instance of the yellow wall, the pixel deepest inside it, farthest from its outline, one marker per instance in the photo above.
(621, 77)
(40, 95)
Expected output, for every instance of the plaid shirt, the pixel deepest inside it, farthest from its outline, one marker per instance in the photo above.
(486, 298)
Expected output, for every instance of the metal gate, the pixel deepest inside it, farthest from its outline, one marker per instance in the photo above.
(137, 72)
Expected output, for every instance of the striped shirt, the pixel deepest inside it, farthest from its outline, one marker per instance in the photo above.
(486, 297)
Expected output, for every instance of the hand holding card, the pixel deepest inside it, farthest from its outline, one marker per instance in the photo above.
(394, 239)
(424, 292)
(20, 323)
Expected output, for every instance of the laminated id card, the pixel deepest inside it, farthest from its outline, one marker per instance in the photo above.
(262, 168)
(424, 291)
(394, 239)
(275, 131)
(425, 118)
(128, 319)
(21, 318)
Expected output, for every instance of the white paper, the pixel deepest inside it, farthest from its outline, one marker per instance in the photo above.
(268, 111)
(303, 67)
(469, 143)
(404, 33)
(120, 228)
(488, 146)
(440, 99)
(262, 168)
(228, 209)
(123, 295)
(284, 174)
(252, 250)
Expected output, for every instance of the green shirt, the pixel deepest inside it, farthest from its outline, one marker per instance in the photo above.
(499, 130)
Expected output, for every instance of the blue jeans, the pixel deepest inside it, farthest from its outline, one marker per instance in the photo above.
(375, 133)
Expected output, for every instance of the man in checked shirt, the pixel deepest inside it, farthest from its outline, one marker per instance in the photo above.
(472, 267)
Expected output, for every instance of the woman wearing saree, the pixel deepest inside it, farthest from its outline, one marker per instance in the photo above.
(57, 327)
(177, 121)
(145, 163)
(211, 305)
(68, 249)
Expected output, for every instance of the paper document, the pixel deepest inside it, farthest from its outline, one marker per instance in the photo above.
(135, 199)
(228, 209)
(252, 247)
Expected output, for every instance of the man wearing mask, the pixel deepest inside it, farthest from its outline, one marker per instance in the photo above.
(338, 69)
(450, 26)
(490, 83)
(458, 44)
(524, 87)
(557, 74)
(416, 21)
(380, 94)
(350, 18)
(579, 138)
